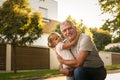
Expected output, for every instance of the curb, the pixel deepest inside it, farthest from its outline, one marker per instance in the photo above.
(113, 71)
(39, 78)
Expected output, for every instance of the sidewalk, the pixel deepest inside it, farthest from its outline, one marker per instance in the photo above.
(111, 75)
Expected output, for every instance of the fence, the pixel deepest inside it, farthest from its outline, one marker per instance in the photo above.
(27, 57)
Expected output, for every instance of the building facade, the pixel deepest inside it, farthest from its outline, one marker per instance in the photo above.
(48, 9)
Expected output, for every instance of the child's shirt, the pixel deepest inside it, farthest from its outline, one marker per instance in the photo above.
(64, 53)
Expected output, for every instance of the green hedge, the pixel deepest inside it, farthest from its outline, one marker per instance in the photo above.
(114, 49)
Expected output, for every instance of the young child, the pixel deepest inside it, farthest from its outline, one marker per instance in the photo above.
(63, 49)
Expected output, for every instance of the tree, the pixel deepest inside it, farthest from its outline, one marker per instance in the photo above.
(101, 38)
(112, 7)
(81, 26)
(18, 24)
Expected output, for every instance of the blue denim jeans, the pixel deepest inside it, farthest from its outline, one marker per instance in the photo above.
(86, 73)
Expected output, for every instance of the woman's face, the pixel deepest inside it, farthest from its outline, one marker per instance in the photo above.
(69, 32)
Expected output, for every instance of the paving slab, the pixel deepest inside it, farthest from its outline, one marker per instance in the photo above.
(111, 75)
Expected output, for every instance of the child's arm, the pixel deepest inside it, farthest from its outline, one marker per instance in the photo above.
(67, 45)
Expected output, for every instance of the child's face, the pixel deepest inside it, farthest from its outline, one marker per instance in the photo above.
(56, 39)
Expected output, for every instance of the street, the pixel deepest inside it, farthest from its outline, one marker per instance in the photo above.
(114, 76)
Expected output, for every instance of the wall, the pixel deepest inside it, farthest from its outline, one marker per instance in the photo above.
(50, 5)
(116, 58)
(2, 56)
(110, 58)
(106, 57)
(54, 64)
(42, 41)
(29, 58)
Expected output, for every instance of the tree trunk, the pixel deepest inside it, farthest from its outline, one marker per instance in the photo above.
(14, 59)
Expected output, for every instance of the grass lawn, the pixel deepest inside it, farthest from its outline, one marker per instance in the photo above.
(112, 67)
(27, 74)
(38, 73)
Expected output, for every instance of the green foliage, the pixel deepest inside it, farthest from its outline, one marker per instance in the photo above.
(111, 6)
(101, 38)
(27, 74)
(113, 67)
(116, 40)
(79, 25)
(113, 25)
(18, 24)
(57, 29)
(114, 49)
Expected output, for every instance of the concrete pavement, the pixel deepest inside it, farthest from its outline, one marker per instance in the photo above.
(112, 75)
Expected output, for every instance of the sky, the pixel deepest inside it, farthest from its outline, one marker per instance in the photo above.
(87, 10)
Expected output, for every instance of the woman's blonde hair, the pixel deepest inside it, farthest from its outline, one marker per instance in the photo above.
(50, 39)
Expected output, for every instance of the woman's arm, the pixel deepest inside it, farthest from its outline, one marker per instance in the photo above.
(67, 45)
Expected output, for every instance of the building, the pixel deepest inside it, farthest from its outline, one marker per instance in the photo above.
(48, 8)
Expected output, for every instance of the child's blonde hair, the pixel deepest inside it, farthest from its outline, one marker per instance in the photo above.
(50, 39)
